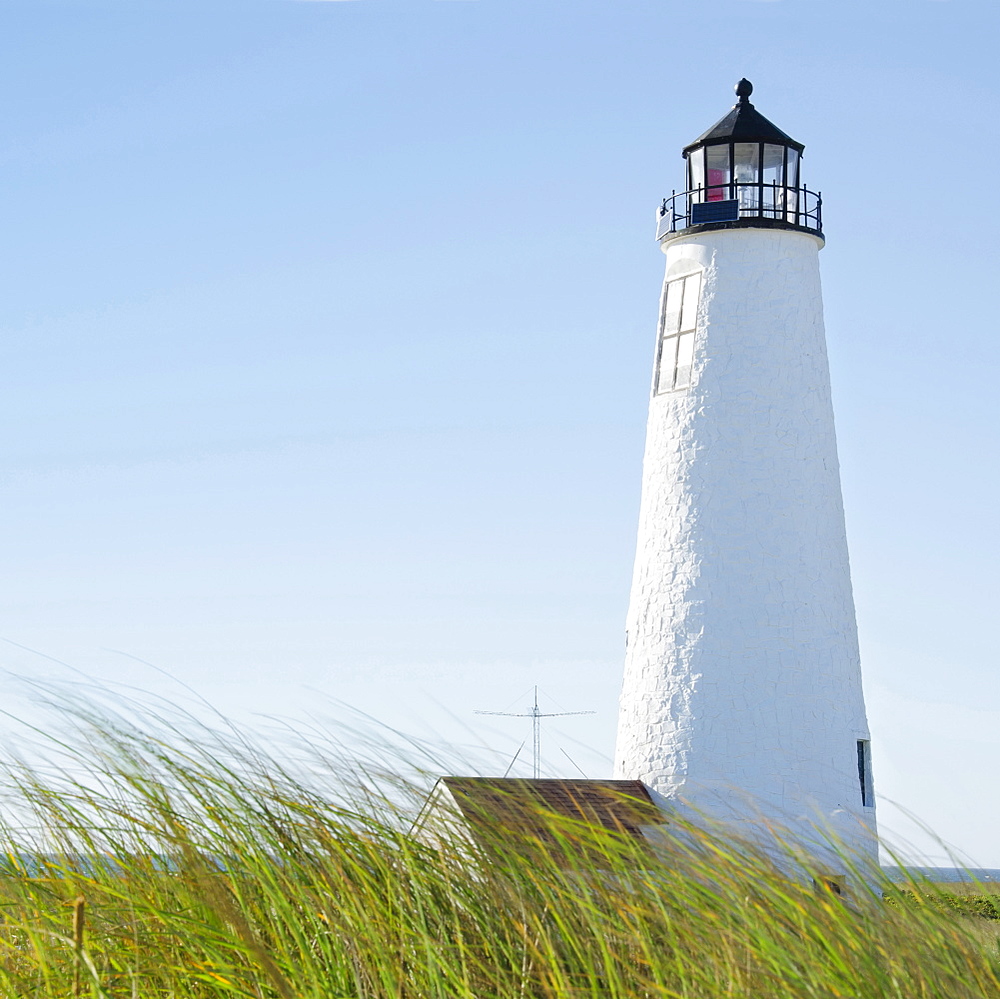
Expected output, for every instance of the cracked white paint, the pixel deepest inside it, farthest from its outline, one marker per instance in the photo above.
(742, 691)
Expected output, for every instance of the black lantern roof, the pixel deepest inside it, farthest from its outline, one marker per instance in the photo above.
(744, 124)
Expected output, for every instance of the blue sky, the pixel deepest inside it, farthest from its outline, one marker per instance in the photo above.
(326, 336)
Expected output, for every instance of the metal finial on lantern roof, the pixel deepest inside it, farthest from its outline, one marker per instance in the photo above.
(743, 90)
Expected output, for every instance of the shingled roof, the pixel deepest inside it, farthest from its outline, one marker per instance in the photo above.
(486, 806)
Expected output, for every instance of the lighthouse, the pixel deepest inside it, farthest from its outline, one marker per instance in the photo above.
(742, 689)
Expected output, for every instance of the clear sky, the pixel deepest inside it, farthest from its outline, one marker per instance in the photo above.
(326, 337)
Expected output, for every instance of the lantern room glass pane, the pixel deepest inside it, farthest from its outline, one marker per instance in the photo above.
(792, 204)
(746, 159)
(774, 161)
(718, 173)
(793, 168)
(773, 179)
(746, 156)
(696, 172)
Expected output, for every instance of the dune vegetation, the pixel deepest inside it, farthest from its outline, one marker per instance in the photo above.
(153, 856)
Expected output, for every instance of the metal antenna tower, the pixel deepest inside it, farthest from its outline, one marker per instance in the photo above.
(536, 717)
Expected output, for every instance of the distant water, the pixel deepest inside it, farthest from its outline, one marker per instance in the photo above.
(944, 874)
(47, 865)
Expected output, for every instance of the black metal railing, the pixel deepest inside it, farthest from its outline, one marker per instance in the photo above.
(737, 200)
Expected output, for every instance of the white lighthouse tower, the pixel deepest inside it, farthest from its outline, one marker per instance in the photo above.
(742, 691)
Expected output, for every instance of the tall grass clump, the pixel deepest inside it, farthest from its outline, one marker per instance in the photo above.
(156, 857)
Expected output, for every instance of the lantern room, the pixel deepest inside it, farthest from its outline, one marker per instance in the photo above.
(744, 171)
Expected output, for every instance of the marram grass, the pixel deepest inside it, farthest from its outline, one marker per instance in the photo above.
(154, 859)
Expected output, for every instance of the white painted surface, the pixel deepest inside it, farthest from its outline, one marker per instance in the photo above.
(742, 690)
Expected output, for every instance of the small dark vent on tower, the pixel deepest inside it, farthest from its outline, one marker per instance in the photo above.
(865, 773)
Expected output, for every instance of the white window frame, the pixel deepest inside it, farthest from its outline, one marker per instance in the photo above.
(676, 335)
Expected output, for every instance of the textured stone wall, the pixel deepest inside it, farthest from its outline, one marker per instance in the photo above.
(742, 689)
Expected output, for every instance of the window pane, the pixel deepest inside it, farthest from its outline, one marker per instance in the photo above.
(672, 307)
(696, 171)
(685, 354)
(685, 349)
(689, 314)
(667, 363)
(718, 173)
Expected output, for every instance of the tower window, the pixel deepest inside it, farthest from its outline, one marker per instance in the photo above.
(865, 773)
(677, 326)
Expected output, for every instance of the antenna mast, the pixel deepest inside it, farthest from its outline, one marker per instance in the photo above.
(536, 715)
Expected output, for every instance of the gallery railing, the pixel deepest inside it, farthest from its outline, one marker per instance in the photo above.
(735, 201)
